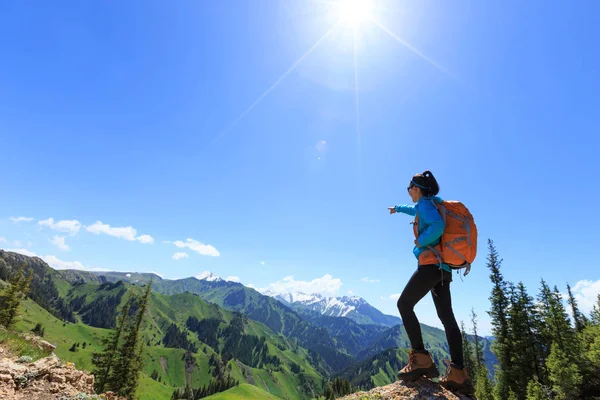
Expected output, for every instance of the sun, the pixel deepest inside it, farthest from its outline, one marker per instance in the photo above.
(354, 12)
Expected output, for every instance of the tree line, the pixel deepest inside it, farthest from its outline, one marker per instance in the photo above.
(543, 353)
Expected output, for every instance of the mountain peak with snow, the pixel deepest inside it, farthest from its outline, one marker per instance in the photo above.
(208, 276)
(353, 307)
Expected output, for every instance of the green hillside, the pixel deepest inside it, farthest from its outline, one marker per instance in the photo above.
(196, 333)
(278, 317)
(248, 349)
(243, 391)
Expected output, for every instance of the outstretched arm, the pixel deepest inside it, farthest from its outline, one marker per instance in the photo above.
(403, 208)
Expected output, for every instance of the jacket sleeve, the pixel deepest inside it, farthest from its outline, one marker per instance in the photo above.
(406, 209)
(430, 217)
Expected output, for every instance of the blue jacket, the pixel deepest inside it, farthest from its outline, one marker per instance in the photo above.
(431, 224)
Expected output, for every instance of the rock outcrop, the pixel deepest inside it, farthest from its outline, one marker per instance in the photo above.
(48, 378)
(421, 389)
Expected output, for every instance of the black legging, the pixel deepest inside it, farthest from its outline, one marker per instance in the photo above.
(426, 278)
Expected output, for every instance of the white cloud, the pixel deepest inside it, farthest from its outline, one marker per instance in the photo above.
(366, 279)
(16, 220)
(125, 232)
(16, 243)
(145, 239)
(55, 263)
(326, 285)
(394, 296)
(66, 226)
(233, 278)
(59, 241)
(350, 293)
(3, 239)
(179, 256)
(586, 294)
(262, 263)
(25, 252)
(198, 247)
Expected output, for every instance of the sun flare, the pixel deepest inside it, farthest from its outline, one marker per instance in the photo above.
(354, 12)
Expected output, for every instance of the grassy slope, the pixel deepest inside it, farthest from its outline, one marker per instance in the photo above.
(18, 346)
(63, 335)
(243, 391)
(165, 310)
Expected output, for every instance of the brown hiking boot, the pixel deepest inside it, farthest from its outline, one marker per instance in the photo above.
(457, 379)
(419, 365)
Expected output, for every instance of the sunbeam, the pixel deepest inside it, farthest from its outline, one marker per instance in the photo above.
(411, 48)
(356, 105)
(277, 82)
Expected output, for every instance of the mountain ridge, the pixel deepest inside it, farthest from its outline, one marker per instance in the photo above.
(353, 307)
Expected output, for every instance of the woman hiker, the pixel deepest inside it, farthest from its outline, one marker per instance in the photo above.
(431, 275)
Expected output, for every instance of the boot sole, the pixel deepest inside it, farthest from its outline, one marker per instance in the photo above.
(465, 388)
(412, 376)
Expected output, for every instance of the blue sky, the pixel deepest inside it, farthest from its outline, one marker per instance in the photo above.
(223, 123)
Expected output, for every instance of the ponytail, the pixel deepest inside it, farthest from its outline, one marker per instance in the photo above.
(427, 182)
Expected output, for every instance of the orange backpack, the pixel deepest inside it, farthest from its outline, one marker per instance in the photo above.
(458, 244)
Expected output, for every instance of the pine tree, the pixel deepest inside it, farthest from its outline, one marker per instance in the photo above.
(469, 361)
(499, 302)
(535, 391)
(12, 296)
(524, 365)
(564, 374)
(483, 386)
(479, 359)
(38, 329)
(579, 319)
(595, 315)
(105, 360)
(128, 366)
(594, 347)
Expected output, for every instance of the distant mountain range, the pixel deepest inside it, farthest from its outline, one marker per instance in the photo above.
(352, 307)
(288, 344)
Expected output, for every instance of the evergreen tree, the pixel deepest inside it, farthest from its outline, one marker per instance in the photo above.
(535, 391)
(524, 365)
(500, 328)
(105, 360)
(483, 386)
(564, 374)
(38, 329)
(595, 315)
(579, 319)
(127, 369)
(594, 347)
(13, 295)
(478, 346)
(469, 361)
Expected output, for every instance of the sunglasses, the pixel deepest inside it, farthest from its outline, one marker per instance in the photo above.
(412, 185)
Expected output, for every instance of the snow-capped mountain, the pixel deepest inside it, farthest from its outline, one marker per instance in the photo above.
(353, 307)
(208, 276)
